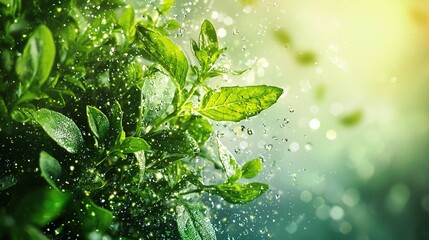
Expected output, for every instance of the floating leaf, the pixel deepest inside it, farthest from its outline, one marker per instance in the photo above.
(167, 54)
(251, 168)
(238, 103)
(193, 224)
(50, 169)
(352, 118)
(61, 129)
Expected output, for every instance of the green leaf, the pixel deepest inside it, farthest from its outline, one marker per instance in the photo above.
(166, 6)
(158, 94)
(34, 66)
(126, 20)
(61, 129)
(208, 38)
(98, 122)
(7, 182)
(50, 169)
(171, 24)
(133, 144)
(31, 233)
(174, 142)
(141, 160)
(227, 160)
(238, 103)
(116, 122)
(306, 58)
(251, 168)
(283, 37)
(193, 224)
(41, 206)
(352, 118)
(95, 217)
(167, 54)
(21, 114)
(240, 193)
(197, 126)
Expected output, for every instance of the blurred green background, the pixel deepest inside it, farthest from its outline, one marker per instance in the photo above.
(346, 148)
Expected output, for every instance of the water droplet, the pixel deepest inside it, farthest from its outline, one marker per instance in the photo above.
(308, 146)
(291, 110)
(235, 31)
(268, 147)
(249, 131)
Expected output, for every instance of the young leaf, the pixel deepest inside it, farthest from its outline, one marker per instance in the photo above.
(34, 66)
(41, 206)
(98, 122)
(133, 144)
(238, 103)
(240, 193)
(61, 129)
(167, 54)
(251, 168)
(192, 224)
(208, 38)
(50, 168)
(232, 171)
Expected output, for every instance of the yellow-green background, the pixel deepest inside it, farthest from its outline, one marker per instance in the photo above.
(363, 180)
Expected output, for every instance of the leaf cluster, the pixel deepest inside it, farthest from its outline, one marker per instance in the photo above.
(105, 125)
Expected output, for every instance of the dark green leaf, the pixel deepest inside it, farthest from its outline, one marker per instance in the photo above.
(174, 142)
(7, 182)
(41, 206)
(167, 54)
(50, 168)
(193, 224)
(98, 122)
(238, 103)
(197, 126)
(61, 129)
(227, 160)
(116, 122)
(34, 66)
(352, 118)
(240, 193)
(251, 168)
(95, 217)
(21, 114)
(133, 144)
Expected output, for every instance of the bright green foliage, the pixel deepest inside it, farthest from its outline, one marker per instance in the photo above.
(238, 103)
(105, 130)
(352, 118)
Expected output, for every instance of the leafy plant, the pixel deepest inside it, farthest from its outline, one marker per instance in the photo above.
(106, 125)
